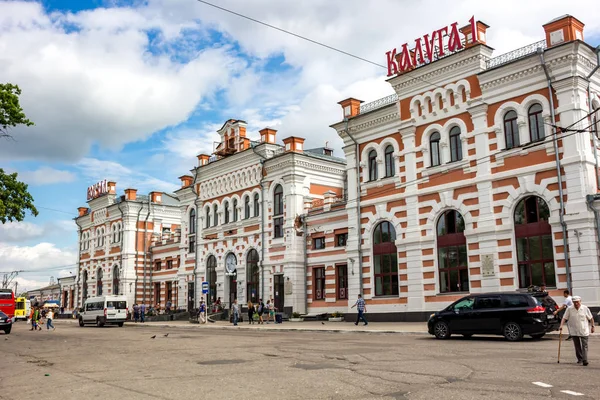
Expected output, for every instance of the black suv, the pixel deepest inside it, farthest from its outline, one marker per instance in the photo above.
(509, 314)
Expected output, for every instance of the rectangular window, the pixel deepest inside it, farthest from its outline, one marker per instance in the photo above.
(453, 269)
(278, 227)
(192, 247)
(386, 274)
(157, 292)
(169, 264)
(169, 287)
(342, 282)
(157, 266)
(341, 239)
(319, 283)
(319, 243)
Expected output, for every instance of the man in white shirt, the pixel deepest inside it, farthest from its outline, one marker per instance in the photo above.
(580, 322)
(567, 303)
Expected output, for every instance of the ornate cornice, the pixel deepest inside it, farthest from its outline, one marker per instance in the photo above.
(375, 122)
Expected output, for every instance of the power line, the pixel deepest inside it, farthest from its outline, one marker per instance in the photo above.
(310, 40)
(54, 209)
(41, 269)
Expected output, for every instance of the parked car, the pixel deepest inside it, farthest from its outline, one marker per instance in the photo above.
(511, 315)
(102, 310)
(5, 323)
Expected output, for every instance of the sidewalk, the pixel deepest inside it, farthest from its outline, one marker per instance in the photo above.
(405, 328)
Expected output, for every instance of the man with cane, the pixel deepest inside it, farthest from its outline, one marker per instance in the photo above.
(580, 322)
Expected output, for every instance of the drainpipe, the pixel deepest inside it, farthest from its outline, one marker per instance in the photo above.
(262, 225)
(590, 109)
(145, 243)
(358, 230)
(196, 250)
(121, 258)
(137, 231)
(305, 222)
(590, 198)
(78, 262)
(558, 173)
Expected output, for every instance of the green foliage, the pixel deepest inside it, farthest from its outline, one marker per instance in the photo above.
(14, 198)
(295, 314)
(11, 113)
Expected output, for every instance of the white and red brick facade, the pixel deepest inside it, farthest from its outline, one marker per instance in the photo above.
(449, 186)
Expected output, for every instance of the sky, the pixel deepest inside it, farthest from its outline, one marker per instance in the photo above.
(132, 91)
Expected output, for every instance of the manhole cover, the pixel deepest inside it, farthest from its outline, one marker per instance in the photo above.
(221, 362)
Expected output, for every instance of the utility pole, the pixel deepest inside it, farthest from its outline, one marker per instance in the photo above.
(8, 278)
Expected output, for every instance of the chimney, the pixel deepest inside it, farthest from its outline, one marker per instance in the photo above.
(350, 107)
(156, 197)
(203, 159)
(563, 29)
(267, 135)
(131, 194)
(186, 180)
(112, 187)
(294, 144)
(82, 211)
(481, 28)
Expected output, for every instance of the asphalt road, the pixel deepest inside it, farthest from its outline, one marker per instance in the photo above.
(126, 364)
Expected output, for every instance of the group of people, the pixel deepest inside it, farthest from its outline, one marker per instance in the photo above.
(38, 315)
(256, 312)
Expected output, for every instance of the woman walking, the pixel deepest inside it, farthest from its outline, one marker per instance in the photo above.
(250, 312)
(49, 317)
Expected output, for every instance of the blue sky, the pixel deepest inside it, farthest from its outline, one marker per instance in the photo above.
(132, 91)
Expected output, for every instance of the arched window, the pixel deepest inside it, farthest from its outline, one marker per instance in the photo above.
(389, 161)
(434, 145)
(455, 144)
(116, 281)
(246, 207)
(226, 212)
(256, 205)
(235, 210)
(99, 282)
(536, 123)
(385, 260)
(278, 212)
(84, 286)
(533, 234)
(252, 276)
(211, 274)
(114, 234)
(207, 218)
(98, 237)
(215, 215)
(452, 253)
(511, 130)
(372, 165)
(192, 222)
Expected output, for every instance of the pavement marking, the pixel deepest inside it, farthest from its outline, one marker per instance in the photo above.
(542, 384)
(572, 392)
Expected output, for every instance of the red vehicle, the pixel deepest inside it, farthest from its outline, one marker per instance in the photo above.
(7, 302)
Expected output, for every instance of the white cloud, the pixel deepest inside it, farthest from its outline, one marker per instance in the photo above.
(19, 232)
(97, 170)
(46, 176)
(97, 82)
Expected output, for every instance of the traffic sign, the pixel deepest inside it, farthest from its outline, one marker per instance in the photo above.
(204, 287)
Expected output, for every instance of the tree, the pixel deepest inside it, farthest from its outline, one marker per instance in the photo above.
(11, 113)
(14, 198)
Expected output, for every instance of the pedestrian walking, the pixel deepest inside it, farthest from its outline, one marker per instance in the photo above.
(136, 312)
(362, 308)
(250, 312)
(580, 322)
(261, 309)
(142, 313)
(49, 318)
(566, 304)
(202, 312)
(236, 312)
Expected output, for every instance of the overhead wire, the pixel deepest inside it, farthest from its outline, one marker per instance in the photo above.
(406, 74)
